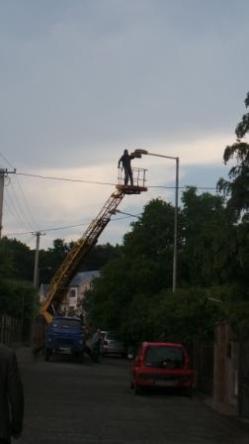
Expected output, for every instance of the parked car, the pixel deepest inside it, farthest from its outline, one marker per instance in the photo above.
(65, 335)
(111, 345)
(162, 364)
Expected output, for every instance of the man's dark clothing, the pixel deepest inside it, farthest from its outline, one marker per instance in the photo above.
(125, 159)
(11, 396)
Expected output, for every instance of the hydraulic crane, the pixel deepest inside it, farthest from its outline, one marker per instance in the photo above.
(64, 274)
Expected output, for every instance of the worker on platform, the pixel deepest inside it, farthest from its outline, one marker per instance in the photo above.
(125, 160)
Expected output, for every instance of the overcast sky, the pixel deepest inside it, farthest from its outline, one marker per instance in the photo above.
(81, 80)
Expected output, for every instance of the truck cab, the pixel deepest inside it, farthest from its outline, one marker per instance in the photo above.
(65, 335)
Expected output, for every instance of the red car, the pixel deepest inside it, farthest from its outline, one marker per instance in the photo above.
(162, 364)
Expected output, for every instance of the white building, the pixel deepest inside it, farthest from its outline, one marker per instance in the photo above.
(73, 301)
(78, 286)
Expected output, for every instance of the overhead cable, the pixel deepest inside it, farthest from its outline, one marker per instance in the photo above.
(23, 202)
(94, 182)
(17, 209)
(6, 160)
(66, 179)
(66, 226)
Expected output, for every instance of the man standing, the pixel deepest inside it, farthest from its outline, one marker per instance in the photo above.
(125, 159)
(11, 396)
(96, 345)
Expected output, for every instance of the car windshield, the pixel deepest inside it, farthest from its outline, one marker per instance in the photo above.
(164, 356)
(66, 323)
(111, 337)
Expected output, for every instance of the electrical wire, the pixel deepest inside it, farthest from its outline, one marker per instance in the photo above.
(16, 209)
(6, 160)
(18, 201)
(24, 201)
(94, 182)
(66, 179)
(65, 227)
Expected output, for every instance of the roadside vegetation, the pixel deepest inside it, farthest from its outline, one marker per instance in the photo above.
(18, 298)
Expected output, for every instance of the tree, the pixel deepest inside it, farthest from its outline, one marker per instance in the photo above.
(17, 260)
(207, 257)
(51, 259)
(237, 189)
(143, 269)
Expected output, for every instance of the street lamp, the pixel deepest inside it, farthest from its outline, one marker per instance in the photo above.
(138, 153)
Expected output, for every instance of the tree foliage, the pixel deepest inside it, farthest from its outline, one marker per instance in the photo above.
(237, 188)
(207, 257)
(133, 295)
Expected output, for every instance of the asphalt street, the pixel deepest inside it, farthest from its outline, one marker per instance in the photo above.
(71, 403)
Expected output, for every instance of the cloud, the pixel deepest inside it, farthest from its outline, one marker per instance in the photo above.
(81, 81)
(57, 203)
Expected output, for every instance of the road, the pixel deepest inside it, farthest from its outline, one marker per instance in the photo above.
(70, 403)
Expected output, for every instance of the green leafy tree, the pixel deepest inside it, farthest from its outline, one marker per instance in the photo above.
(237, 188)
(17, 299)
(143, 269)
(133, 296)
(207, 257)
(17, 259)
(51, 259)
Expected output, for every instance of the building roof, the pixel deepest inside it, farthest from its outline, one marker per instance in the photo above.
(83, 277)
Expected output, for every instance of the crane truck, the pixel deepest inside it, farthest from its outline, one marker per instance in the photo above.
(59, 284)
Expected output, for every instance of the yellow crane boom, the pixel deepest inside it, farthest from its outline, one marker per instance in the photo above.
(64, 274)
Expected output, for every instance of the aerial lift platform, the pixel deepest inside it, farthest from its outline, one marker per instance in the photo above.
(59, 284)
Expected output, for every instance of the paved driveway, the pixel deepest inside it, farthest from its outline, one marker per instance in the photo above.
(91, 403)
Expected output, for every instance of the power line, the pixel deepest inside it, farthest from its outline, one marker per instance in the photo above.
(22, 203)
(16, 208)
(15, 203)
(65, 227)
(23, 200)
(128, 214)
(66, 179)
(6, 160)
(95, 182)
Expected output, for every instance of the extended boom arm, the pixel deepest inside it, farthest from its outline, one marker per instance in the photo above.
(65, 272)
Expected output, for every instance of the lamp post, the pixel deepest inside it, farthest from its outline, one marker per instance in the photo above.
(138, 153)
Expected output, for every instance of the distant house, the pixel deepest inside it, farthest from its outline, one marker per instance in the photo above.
(73, 300)
(77, 289)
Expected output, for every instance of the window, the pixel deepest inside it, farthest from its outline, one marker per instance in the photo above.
(171, 357)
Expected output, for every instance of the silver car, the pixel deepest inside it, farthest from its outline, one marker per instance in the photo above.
(111, 345)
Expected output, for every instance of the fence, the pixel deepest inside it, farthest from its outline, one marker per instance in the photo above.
(244, 372)
(10, 329)
(203, 364)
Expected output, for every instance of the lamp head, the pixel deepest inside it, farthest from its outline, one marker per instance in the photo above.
(138, 153)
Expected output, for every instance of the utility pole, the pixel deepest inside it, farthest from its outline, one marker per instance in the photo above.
(3, 174)
(38, 234)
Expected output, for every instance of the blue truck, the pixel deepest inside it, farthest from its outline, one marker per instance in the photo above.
(65, 335)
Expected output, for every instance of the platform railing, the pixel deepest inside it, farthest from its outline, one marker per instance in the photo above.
(139, 177)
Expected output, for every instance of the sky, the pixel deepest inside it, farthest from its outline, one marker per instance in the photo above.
(82, 80)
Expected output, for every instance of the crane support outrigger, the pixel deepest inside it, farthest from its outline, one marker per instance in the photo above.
(61, 279)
